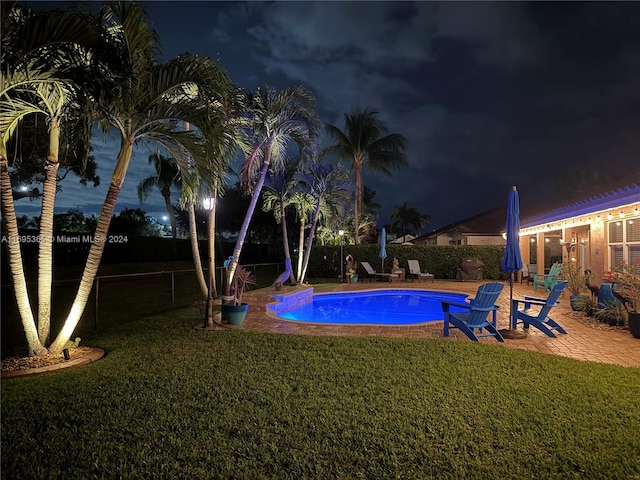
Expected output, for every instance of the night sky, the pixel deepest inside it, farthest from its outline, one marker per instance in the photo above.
(541, 95)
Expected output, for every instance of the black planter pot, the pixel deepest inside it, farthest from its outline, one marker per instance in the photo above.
(634, 324)
(616, 321)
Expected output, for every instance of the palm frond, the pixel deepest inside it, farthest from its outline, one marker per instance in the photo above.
(146, 186)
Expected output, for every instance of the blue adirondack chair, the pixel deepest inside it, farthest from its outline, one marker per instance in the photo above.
(475, 313)
(547, 280)
(538, 317)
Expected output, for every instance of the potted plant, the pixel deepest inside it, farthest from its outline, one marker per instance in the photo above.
(234, 311)
(627, 276)
(586, 304)
(576, 284)
(612, 313)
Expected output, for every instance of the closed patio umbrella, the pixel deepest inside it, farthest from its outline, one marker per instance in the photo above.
(512, 260)
(383, 246)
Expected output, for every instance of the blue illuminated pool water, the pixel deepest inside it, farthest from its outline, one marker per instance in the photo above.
(379, 307)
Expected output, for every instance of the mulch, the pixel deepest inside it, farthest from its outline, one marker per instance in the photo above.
(13, 364)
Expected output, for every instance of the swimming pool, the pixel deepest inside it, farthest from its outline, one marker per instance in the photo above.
(374, 307)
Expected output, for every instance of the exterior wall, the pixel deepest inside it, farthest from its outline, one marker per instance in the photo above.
(590, 245)
(485, 240)
(445, 239)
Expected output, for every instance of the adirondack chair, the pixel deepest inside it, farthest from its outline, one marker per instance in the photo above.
(475, 314)
(547, 280)
(416, 273)
(538, 317)
(527, 272)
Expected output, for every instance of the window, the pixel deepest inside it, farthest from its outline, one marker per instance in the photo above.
(624, 241)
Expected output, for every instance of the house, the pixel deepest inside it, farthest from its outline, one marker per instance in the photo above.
(597, 232)
(403, 239)
(482, 229)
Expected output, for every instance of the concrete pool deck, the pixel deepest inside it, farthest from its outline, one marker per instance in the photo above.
(586, 340)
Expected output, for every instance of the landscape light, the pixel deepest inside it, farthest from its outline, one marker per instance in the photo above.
(207, 203)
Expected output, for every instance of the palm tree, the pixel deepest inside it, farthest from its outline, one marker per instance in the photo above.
(167, 175)
(364, 143)
(45, 58)
(408, 217)
(279, 187)
(330, 188)
(276, 120)
(304, 206)
(222, 125)
(148, 101)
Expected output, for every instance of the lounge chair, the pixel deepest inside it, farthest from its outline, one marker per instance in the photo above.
(370, 273)
(415, 273)
(538, 317)
(547, 280)
(475, 316)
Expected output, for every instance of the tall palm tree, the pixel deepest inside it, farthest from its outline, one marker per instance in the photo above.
(148, 101)
(279, 187)
(364, 143)
(404, 217)
(222, 121)
(167, 175)
(46, 58)
(276, 120)
(330, 188)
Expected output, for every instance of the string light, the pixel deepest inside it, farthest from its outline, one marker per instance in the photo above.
(621, 213)
(635, 210)
(609, 216)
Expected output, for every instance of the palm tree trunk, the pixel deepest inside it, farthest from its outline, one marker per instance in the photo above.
(195, 250)
(211, 244)
(301, 247)
(288, 270)
(231, 269)
(45, 248)
(166, 193)
(358, 203)
(15, 259)
(90, 270)
(97, 248)
(312, 232)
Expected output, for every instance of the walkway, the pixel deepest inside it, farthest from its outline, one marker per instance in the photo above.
(585, 340)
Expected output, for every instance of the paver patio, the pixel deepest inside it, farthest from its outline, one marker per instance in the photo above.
(584, 341)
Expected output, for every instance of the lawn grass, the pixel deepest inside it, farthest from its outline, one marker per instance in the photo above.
(143, 296)
(168, 401)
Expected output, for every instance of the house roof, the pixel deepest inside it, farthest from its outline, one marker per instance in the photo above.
(491, 222)
(626, 195)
